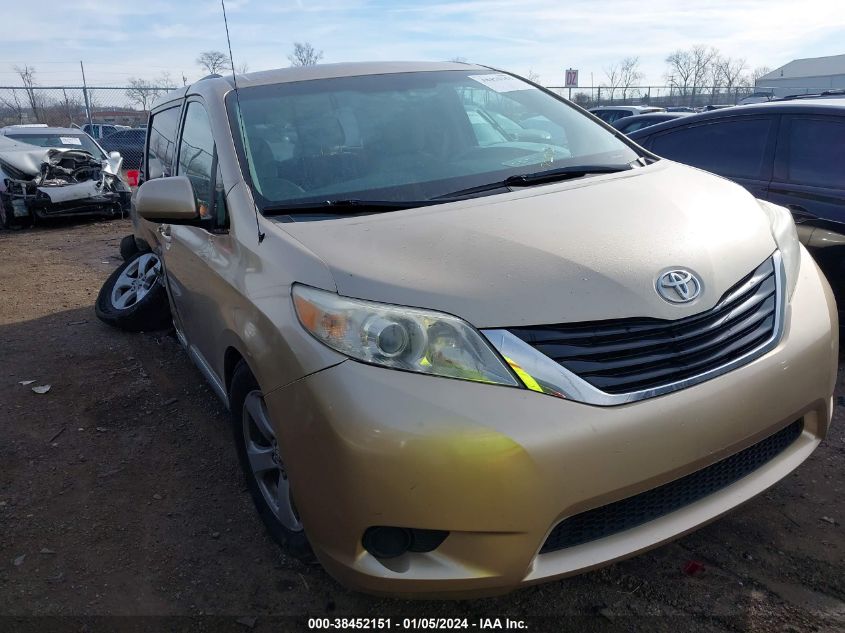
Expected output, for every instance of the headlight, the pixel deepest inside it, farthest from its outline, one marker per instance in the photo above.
(786, 237)
(411, 339)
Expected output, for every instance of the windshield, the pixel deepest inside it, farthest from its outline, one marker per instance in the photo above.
(63, 141)
(408, 136)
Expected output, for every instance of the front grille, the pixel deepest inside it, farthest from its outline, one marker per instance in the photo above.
(652, 504)
(623, 356)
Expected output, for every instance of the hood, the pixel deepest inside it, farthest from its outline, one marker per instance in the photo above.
(28, 158)
(23, 157)
(582, 250)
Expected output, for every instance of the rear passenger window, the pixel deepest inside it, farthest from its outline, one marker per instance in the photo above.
(162, 148)
(817, 152)
(636, 125)
(733, 148)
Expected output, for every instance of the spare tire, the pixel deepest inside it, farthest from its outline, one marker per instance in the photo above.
(133, 297)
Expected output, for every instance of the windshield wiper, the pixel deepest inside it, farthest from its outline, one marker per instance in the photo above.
(343, 207)
(352, 206)
(540, 177)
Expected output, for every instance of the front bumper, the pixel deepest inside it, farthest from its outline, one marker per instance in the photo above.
(22, 205)
(499, 467)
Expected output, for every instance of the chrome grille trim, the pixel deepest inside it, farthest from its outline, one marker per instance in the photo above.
(573, 387)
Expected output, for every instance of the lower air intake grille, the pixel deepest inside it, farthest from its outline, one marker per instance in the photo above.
(652, 504)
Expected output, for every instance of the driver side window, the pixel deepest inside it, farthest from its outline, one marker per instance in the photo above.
(198, 161)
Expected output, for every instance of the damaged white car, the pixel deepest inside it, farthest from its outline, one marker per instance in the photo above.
(49, 172)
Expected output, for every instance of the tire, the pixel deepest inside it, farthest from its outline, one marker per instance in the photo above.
(128, 247)
(247, 404)
(133, 297)
(8, 220)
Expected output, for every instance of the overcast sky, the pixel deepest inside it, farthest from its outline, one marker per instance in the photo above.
(118, 39)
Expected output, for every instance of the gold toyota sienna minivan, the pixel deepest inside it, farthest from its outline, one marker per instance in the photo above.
(471, 337)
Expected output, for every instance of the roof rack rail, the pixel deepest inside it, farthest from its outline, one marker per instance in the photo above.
(812, 95)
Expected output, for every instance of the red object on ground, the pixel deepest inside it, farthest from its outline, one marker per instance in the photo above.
(132, 176)
(693, 567)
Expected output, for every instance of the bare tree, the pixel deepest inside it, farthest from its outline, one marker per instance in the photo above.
(142, 93)
(715, 76)
(629, 74)
(532, 76)
(691, 69)
(458, 59)
(13, 108)
(304, 55)
(94, 101)
(680, 72)
(582, 99)
(731, 72)
(213, 62)
(242, 69)
(27, 75)
(614, 78)
(759, 72)
(70, 108)
(702, 57)
(164, 80)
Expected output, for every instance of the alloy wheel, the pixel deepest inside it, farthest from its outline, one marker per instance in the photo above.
(265, 462)
(135, 281)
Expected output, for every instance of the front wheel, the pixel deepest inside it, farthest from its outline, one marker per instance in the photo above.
(9, 220)
(261, 461)
(133, 297)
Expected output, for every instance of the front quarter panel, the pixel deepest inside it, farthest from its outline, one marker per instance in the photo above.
(253, 295)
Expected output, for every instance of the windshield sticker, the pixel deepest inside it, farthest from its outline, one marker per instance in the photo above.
(501, 82)
(70, 140)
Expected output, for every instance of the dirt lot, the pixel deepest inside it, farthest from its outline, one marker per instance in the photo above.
(120, 495)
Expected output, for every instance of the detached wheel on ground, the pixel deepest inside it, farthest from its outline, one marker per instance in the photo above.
(128, 247)
(264, 470)
(133, 297)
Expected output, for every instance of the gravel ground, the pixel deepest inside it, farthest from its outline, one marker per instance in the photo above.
(120, 495)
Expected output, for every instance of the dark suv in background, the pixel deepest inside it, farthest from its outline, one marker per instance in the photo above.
(130, 144)
(791, 153)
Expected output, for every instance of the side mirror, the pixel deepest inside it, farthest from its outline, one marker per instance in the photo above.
(115, 155)
(168, 200)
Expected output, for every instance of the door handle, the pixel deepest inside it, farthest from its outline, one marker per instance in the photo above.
(164, 230)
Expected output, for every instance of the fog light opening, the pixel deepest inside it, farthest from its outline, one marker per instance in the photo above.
(427, 540)
(391, 542)
(386, 542)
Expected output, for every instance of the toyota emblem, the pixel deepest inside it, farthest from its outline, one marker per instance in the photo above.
(678, 285)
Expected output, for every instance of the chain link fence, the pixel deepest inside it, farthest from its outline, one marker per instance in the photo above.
(662, 96)
(66, 106)
(75, 106)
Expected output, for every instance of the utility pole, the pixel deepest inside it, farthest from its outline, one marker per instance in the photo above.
(85, 93)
